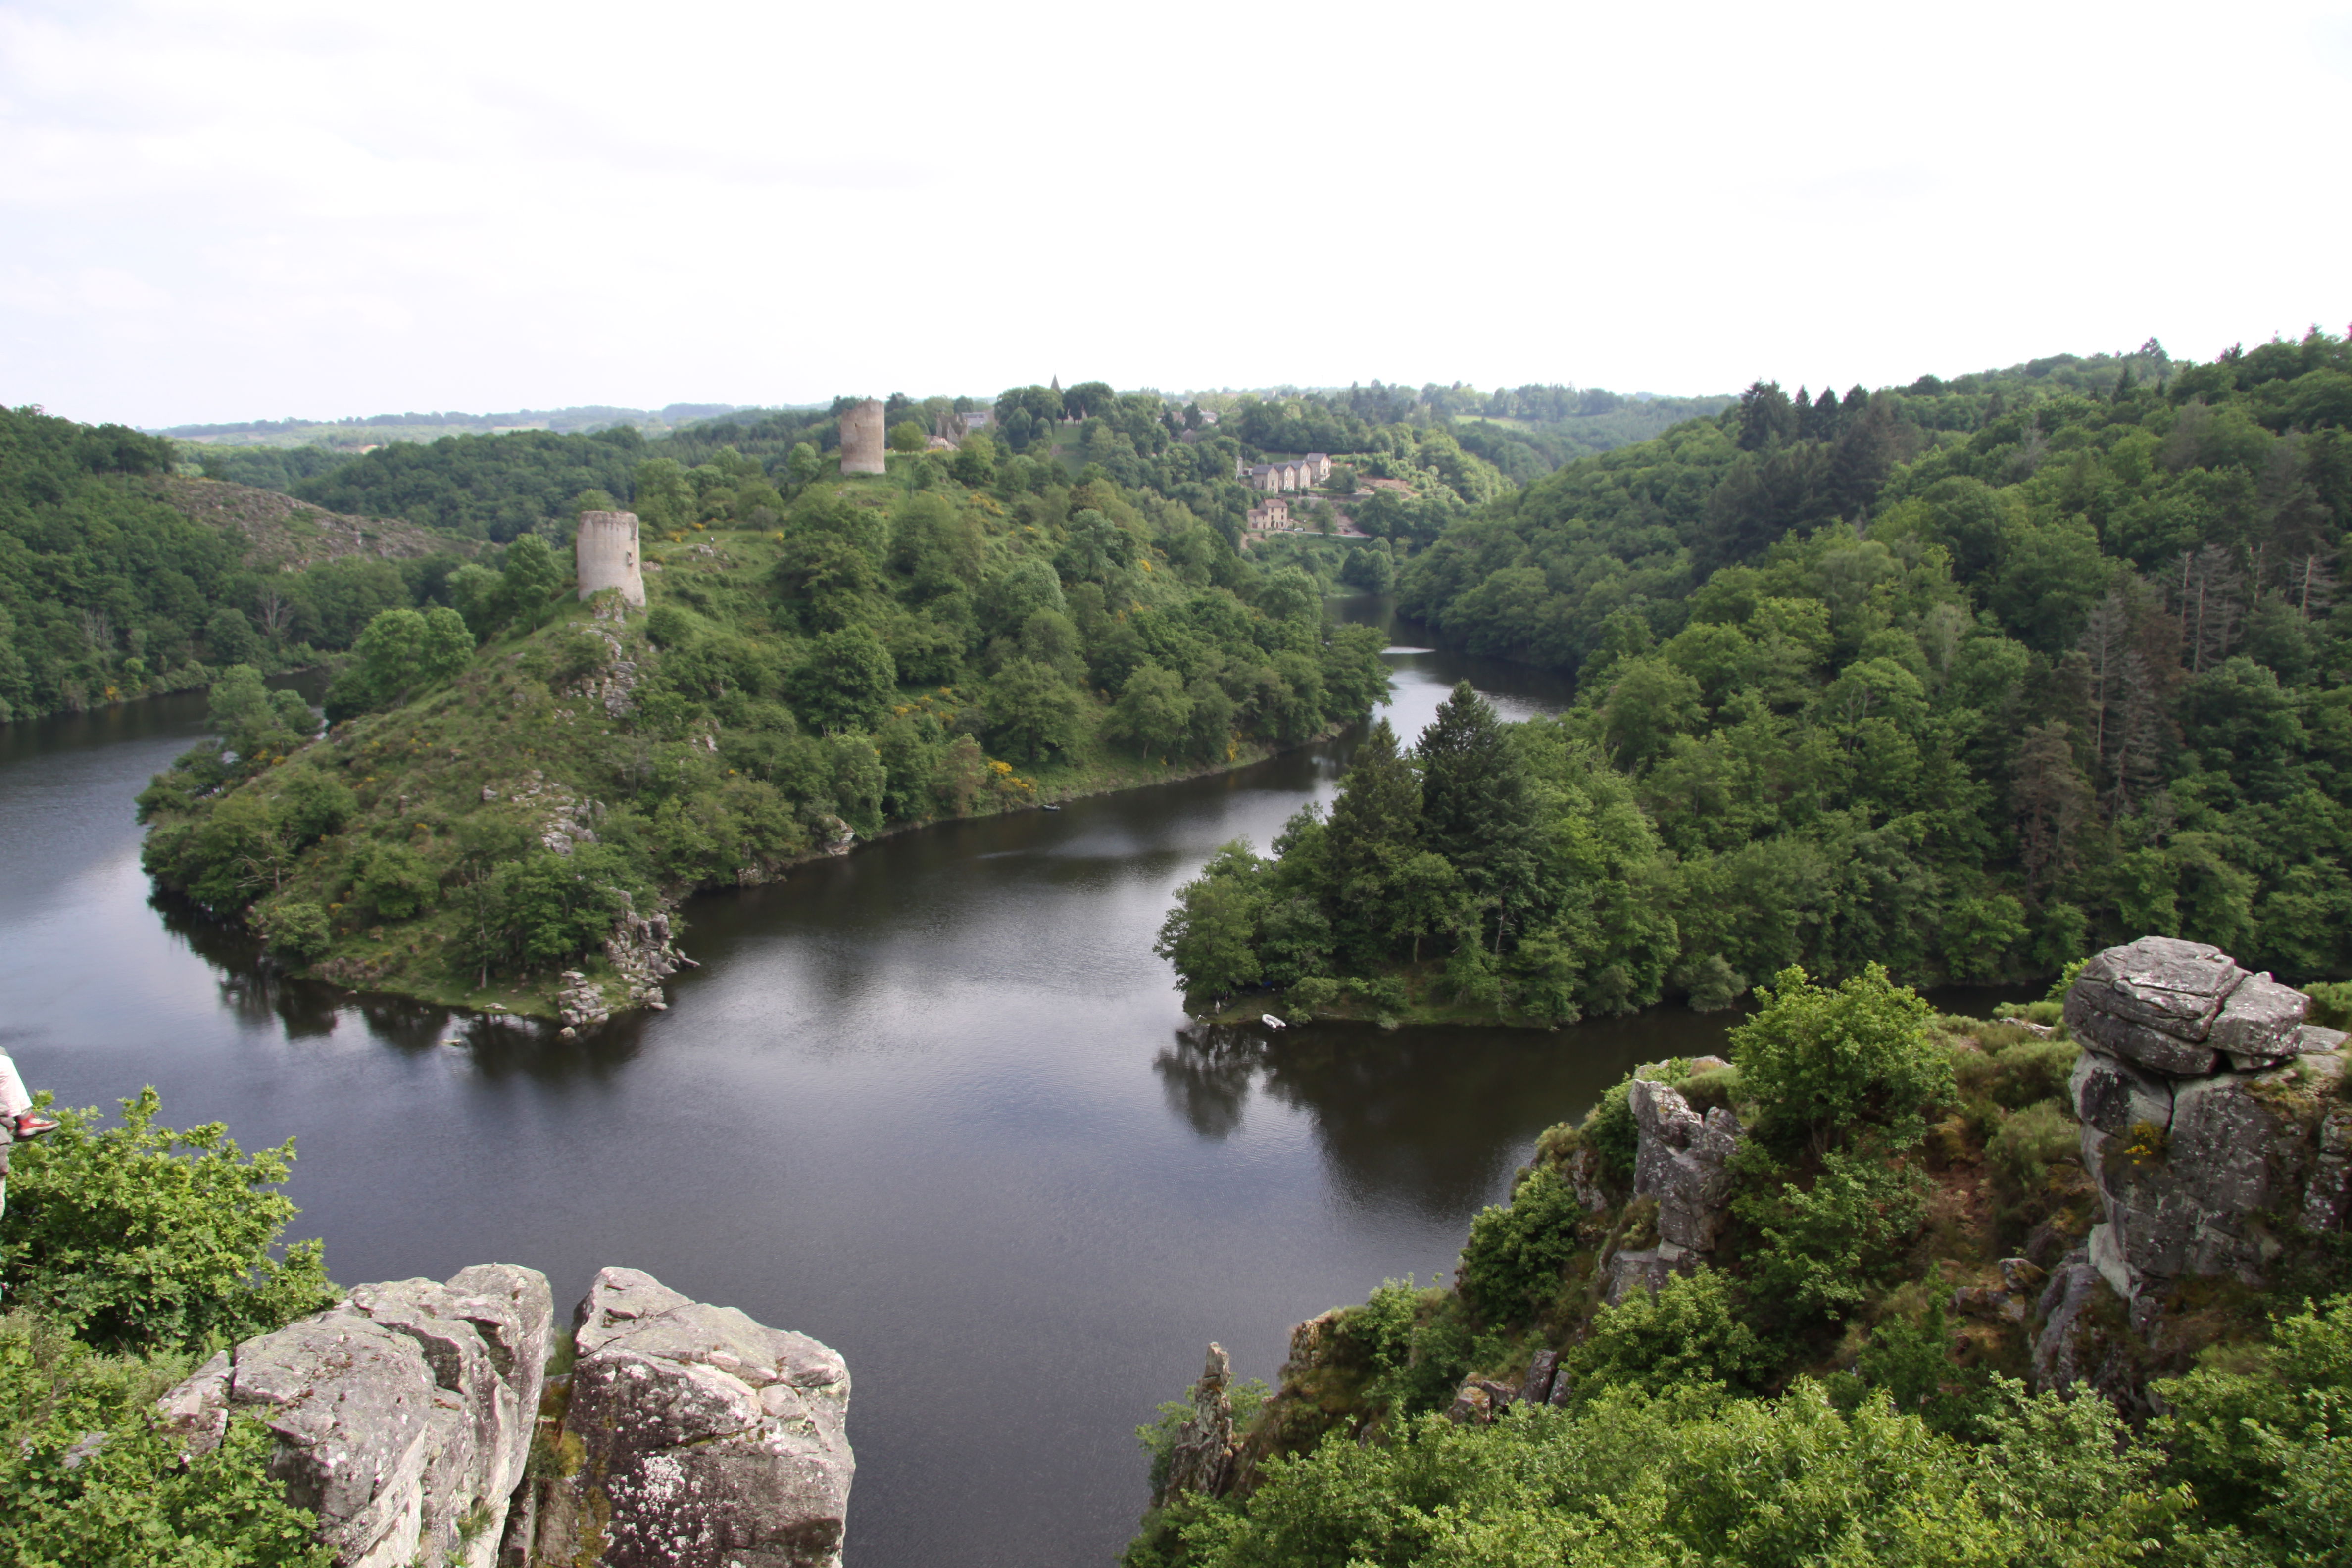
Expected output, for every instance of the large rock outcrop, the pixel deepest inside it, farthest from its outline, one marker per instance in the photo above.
(2209, 1122)
(1204, 1458)
(693, 1437)
(404, 1415)
(1681, 1163)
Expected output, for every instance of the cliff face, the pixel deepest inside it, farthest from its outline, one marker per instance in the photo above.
(403, 1416)
(417, 1421)
(2211, 1125)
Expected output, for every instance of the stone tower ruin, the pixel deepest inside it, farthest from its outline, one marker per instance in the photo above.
(607, 552)
(861, 438)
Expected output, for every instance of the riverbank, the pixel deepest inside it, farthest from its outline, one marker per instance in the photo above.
(377, 968)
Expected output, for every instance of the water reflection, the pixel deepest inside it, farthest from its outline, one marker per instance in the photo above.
(929, 1102)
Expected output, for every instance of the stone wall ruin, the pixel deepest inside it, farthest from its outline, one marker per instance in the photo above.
(608, 556)
(861, 438)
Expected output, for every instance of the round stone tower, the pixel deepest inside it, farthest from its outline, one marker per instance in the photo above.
(861, 438)
(607, 552)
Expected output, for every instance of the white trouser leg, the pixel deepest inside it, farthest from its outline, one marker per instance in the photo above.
(14, 1100)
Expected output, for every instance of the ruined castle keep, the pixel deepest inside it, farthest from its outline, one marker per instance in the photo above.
(608, 555)
(861, 438)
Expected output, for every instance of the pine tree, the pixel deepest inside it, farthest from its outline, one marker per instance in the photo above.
(2050, 799)
(1374, 830)
(1475, 809)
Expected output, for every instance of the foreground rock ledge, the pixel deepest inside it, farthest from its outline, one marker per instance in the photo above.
(693, 1437)
(416, 1420)
(403, 1416)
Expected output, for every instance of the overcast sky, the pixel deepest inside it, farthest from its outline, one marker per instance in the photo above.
(233, 209)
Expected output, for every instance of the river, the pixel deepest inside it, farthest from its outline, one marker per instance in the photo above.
(929, 1102)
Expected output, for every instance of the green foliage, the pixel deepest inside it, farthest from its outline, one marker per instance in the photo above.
(1826, 1248)
(1511, 1267)
(1825, 1063)
(1967, 678)
(136, 1235)
(1912, 1363)
(1691, 1479)
(2265, 1443)
(489, 487)
(1691, 1330)
(400, 651)
(87, 1480)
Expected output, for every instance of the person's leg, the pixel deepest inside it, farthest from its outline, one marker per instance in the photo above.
(14, 1100)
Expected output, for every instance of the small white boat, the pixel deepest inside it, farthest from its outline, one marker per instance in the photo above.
(1271, 1022)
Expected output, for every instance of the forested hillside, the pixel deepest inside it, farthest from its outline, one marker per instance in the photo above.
(1967, 679)
(108, 590)
(959, 637)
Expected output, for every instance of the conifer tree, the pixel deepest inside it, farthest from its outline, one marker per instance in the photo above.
(1374, 830)
(1475, 809)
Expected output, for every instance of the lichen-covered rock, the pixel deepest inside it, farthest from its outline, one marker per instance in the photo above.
(695, 1437)
(2080, 1341)
(1203, 1458)
(2111, 1095)
(1683, 1160)
(2135, 1042)
(403, 1414)
(2167, 983)
(2199, 1091)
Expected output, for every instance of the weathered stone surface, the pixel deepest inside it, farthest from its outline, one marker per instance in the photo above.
(403, 1416)
(1479, 1402)
(706, 1440)
(1647, 1267)
(2135, 1042)
(2328, 1196)
(2260, 1019)
(2111, 1095)
(1202, 1458)
(2075, 1346)
(1683, 1160)
(861, 438)
(1536, 1389)
(2169, 985)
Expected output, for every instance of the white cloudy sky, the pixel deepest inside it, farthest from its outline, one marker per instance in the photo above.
(229, 209)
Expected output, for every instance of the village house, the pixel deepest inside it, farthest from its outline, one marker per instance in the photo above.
(1290, 474)
(1275, 514)
(949, 430)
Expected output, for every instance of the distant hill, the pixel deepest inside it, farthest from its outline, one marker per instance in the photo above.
(358, 433)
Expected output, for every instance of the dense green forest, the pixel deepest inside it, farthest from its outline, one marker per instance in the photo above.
(966, 635)
(1967, 678)
(108, 592)
(1454, 446)
(1819, 1392)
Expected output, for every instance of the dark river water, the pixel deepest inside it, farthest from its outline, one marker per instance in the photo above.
(930, 1103)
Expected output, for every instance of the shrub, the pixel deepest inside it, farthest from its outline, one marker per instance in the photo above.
(1692, 1329)
(87, 1481)
(2028, 1143)
(137, 1235)
(1511, 1265)
(296, 927)
(1913, 1364)
(1827, 1246)
(1610, 1130)
(396, 882)
(1822, 1065)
